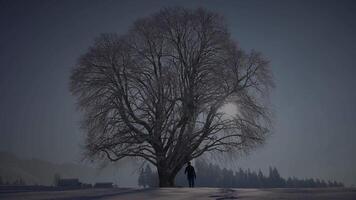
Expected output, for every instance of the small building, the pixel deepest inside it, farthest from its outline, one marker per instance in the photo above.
(69, 182)
(104, 185)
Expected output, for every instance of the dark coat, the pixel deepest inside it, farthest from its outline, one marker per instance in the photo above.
(189, 170)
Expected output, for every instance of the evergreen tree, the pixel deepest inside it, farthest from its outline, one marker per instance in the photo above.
(141, 179)
(261, 179)
(56, 179)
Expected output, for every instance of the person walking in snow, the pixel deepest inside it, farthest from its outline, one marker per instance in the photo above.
(189, 170)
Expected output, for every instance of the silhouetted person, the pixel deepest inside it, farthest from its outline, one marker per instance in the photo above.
(189, 170)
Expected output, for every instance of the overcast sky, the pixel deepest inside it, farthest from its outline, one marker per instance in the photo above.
(311, 45)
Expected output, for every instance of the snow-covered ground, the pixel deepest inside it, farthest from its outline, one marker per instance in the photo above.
(188, 194)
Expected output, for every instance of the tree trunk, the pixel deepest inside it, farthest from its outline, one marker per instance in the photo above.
(166, 178)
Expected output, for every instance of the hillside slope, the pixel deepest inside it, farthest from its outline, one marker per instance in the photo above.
(36, 171)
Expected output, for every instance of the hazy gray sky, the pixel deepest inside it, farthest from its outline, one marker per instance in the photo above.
(311, 45)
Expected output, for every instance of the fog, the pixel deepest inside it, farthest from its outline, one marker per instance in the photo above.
(310, 44)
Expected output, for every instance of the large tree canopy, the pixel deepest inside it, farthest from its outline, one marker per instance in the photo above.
(157, 92)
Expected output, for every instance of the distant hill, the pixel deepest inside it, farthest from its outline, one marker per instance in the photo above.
(36, 171)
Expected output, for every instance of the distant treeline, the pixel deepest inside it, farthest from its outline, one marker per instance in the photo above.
(17, 181)
(209, 175)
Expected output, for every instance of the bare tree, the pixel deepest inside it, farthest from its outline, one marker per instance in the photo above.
(157, 92)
